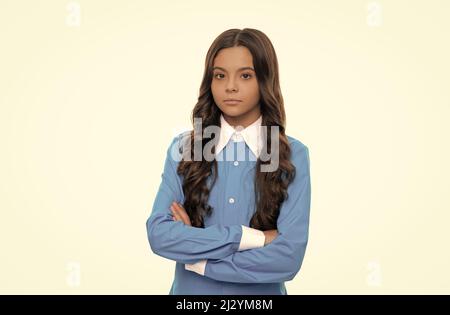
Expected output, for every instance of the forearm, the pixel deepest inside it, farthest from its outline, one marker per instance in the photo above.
(186, 244)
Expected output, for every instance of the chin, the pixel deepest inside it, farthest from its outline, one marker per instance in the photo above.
(232, 111)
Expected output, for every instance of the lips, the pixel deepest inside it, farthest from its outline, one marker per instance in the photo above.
(231, 101)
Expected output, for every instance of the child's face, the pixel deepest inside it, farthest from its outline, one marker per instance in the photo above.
(232, 82)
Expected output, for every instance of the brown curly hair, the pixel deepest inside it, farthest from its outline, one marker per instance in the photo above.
(270, 187)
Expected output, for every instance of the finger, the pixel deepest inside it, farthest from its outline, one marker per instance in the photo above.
(178, 208)
(180, 218)
(172, 215)
(175, 214)
(182, 212)
(177, 217)
(177, 205)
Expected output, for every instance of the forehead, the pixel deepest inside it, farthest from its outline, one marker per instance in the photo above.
(233, 58)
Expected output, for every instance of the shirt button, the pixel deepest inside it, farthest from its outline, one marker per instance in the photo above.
(231, 200)
(237, 136)
(236, 163)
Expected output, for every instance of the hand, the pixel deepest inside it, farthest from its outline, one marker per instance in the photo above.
(180, 214)
(270, 236)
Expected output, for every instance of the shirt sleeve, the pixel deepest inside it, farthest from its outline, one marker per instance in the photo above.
(280, 260)
(183, 243)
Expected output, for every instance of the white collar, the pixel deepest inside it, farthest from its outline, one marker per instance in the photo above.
(252, 135)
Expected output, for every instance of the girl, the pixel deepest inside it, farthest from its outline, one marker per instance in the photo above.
(234, 225)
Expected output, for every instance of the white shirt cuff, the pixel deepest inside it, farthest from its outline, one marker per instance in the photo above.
(198, 267)
(251, 238)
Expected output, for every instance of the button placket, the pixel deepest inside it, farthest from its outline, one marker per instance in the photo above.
(233, 189)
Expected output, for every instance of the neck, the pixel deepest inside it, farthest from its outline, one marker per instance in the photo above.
(243, 120)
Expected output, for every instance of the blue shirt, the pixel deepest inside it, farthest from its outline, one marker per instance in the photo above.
(229, 270)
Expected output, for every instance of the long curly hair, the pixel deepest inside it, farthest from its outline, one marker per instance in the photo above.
(270, 187)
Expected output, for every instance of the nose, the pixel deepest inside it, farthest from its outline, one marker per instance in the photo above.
(231, 85)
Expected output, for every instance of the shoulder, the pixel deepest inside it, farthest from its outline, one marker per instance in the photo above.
(180, 138)
(296, 144)
(299, 154)
(178, 142)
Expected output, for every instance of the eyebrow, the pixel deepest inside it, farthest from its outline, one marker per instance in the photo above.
(243, 68)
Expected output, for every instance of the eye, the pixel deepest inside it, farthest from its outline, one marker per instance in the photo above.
(244, 74)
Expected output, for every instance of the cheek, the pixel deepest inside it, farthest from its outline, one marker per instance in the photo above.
(214, 88)
(216, 94)
(252, 90)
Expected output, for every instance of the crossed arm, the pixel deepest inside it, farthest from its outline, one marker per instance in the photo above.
(234, 253)
(178, 240)
(180, 214)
